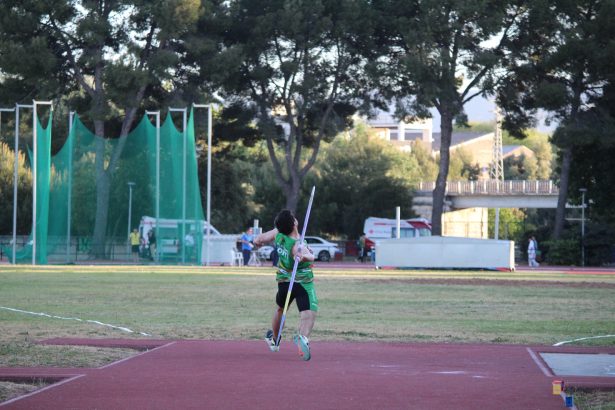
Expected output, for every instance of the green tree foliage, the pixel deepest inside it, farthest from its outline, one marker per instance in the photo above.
(436, 56)
(427, 165)
(294, 66)
(109, 56)
(24, 192)
(360, 177)
(520, 168)
(462, 166)
(511, 224)
(552, 60)
(539, 143)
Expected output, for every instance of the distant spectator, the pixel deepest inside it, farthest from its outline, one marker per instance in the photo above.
(189, 245)
(135, 241)
(247, 245)
(362, 250)
(151, 239)
(532, 249)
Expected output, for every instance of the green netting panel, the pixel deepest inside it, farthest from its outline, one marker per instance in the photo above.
(43, 174)
(180, 234)
(67, 195)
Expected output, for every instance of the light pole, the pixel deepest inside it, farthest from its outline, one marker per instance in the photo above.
(156, 114)
(583, 191)
(208, 211)
(130, 186)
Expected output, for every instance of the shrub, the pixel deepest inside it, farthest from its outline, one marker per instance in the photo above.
(562, 252)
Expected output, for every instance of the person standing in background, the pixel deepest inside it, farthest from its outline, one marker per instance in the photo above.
(151, 240)
(135, 241)
(361, 244)
(532, 249)
(246, 245)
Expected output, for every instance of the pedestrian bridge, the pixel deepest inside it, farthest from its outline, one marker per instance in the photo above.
(492, 194)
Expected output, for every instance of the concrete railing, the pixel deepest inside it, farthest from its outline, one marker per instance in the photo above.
(493, 187)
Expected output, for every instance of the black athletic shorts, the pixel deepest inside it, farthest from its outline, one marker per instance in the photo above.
(299, 294)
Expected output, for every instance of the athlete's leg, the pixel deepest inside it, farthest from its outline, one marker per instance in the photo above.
(308, 317)
(275, 322)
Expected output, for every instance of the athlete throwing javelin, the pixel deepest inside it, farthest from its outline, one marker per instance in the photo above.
(286, 237)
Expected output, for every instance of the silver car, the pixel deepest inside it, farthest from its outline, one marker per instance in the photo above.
(323, 250)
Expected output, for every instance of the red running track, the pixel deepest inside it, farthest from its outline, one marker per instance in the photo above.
(198, 374)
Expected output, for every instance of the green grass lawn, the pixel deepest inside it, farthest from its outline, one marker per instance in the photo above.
(237, 303)
(362, 305)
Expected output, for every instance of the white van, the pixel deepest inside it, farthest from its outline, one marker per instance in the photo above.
(383, 228)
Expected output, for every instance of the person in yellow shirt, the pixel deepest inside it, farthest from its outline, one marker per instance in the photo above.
(135, 242)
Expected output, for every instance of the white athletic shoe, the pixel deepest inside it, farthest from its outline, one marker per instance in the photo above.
(271, 341)
(303, 344)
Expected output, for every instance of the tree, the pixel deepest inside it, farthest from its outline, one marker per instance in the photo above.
(520, 168)
(24, 191)
(436, 56)
(110, 55)
(552, 60)
(462, 166)
(295, 66)
(361, 177)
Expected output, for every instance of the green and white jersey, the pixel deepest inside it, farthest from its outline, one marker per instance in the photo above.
(284, 245)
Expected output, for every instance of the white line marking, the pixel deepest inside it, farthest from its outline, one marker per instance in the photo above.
(451, 372)
(137, 355)
(51, 386)
(583, 338)
(123, 329)
(542, 367)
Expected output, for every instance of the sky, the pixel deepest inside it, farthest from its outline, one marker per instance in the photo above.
(480, 109)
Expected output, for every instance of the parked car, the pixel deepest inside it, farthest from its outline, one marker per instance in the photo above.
(264, 252)
(323, 249)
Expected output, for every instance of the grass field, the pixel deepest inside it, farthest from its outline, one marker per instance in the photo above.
(237, 303)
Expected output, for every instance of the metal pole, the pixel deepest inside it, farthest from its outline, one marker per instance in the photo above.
(34, 183)
(583, 191)
(71, 116)
(398, 220)
(16, 170)
(15, 181)
(157, 114)
(130, 185)
(209, 126)
(183, 233)
(209, 136)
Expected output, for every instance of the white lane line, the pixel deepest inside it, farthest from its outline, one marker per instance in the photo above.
(123, 329)
(134, 356)
(583, 338)
(542, 367)
(51, 386)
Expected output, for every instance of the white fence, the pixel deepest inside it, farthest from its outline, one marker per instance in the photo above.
(494, 187)
(442, 252)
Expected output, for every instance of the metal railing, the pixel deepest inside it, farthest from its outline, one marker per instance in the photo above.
(494, 187)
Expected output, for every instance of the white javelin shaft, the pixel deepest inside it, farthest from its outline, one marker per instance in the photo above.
(297, 259)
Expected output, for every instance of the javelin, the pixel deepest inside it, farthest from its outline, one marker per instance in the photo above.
(297, 259)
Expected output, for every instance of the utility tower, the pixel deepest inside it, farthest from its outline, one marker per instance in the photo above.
(497, 165)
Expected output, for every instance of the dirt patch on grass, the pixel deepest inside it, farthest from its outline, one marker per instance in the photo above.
(25, 354)
(594, 399)
(10, 390)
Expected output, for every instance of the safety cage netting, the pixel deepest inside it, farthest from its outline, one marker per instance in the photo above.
(154, 187)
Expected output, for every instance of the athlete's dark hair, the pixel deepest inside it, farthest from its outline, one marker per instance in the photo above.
(285, 221)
